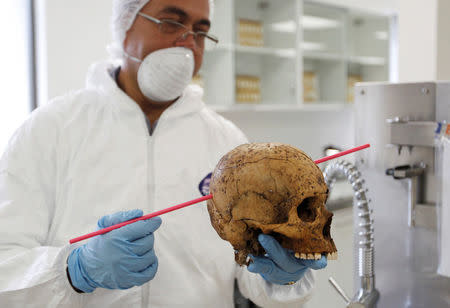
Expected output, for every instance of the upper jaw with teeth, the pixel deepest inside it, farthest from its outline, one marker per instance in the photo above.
(316, 256)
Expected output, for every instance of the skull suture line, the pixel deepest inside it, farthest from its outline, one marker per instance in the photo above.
(275, 189)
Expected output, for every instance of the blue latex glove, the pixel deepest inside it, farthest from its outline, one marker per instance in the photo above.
(119, 259)
(280, 266)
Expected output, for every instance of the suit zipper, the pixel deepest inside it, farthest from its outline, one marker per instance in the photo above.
(150, 200)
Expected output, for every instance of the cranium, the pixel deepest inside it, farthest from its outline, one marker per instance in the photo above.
(275, 189)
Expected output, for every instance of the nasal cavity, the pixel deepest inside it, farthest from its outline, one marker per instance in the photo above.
(326, 229)
(306, 211)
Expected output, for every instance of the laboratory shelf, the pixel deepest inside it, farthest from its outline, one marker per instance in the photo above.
(323, 56)
(375, 61)
(316, 107)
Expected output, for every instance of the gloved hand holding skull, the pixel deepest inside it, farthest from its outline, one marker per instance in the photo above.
(279, 265)
(269, 203)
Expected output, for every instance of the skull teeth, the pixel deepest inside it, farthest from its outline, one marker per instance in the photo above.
(316, 256)
(247, 259)
(332, 256)
(308, 256)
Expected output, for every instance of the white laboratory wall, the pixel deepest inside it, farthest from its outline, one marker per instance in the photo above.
(75, 34)
(424, 45)
(15, 78)
(443, 43)
(417, 40)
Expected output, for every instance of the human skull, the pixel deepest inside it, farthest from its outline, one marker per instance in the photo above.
(275, 189)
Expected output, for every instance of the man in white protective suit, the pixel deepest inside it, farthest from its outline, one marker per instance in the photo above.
(137, 139)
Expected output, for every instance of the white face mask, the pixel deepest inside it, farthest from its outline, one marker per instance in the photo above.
(165, 73)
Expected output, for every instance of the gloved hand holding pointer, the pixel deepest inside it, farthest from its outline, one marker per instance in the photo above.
(120, 259)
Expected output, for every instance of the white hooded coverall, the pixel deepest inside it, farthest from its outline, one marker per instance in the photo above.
(89, 154)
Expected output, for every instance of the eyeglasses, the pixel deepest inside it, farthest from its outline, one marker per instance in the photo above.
(168, 26)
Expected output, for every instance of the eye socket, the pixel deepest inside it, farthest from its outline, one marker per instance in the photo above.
(306, 211)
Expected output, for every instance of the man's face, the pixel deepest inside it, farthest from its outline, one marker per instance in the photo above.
(144, 36)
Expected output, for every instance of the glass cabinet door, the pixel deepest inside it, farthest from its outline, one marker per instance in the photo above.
(368, 50)
(291, 53)
(323, 48)
(216, 76)
(266, 58)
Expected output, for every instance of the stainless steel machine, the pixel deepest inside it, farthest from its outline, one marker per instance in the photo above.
(399, 122)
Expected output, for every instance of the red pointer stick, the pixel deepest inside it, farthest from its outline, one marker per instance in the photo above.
(157, 213)
(341, 154)
(179, 206)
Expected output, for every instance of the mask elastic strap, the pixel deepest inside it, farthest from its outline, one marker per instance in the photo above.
(132, 58)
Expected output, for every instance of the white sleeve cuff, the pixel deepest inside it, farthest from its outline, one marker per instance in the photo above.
(266, 294)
